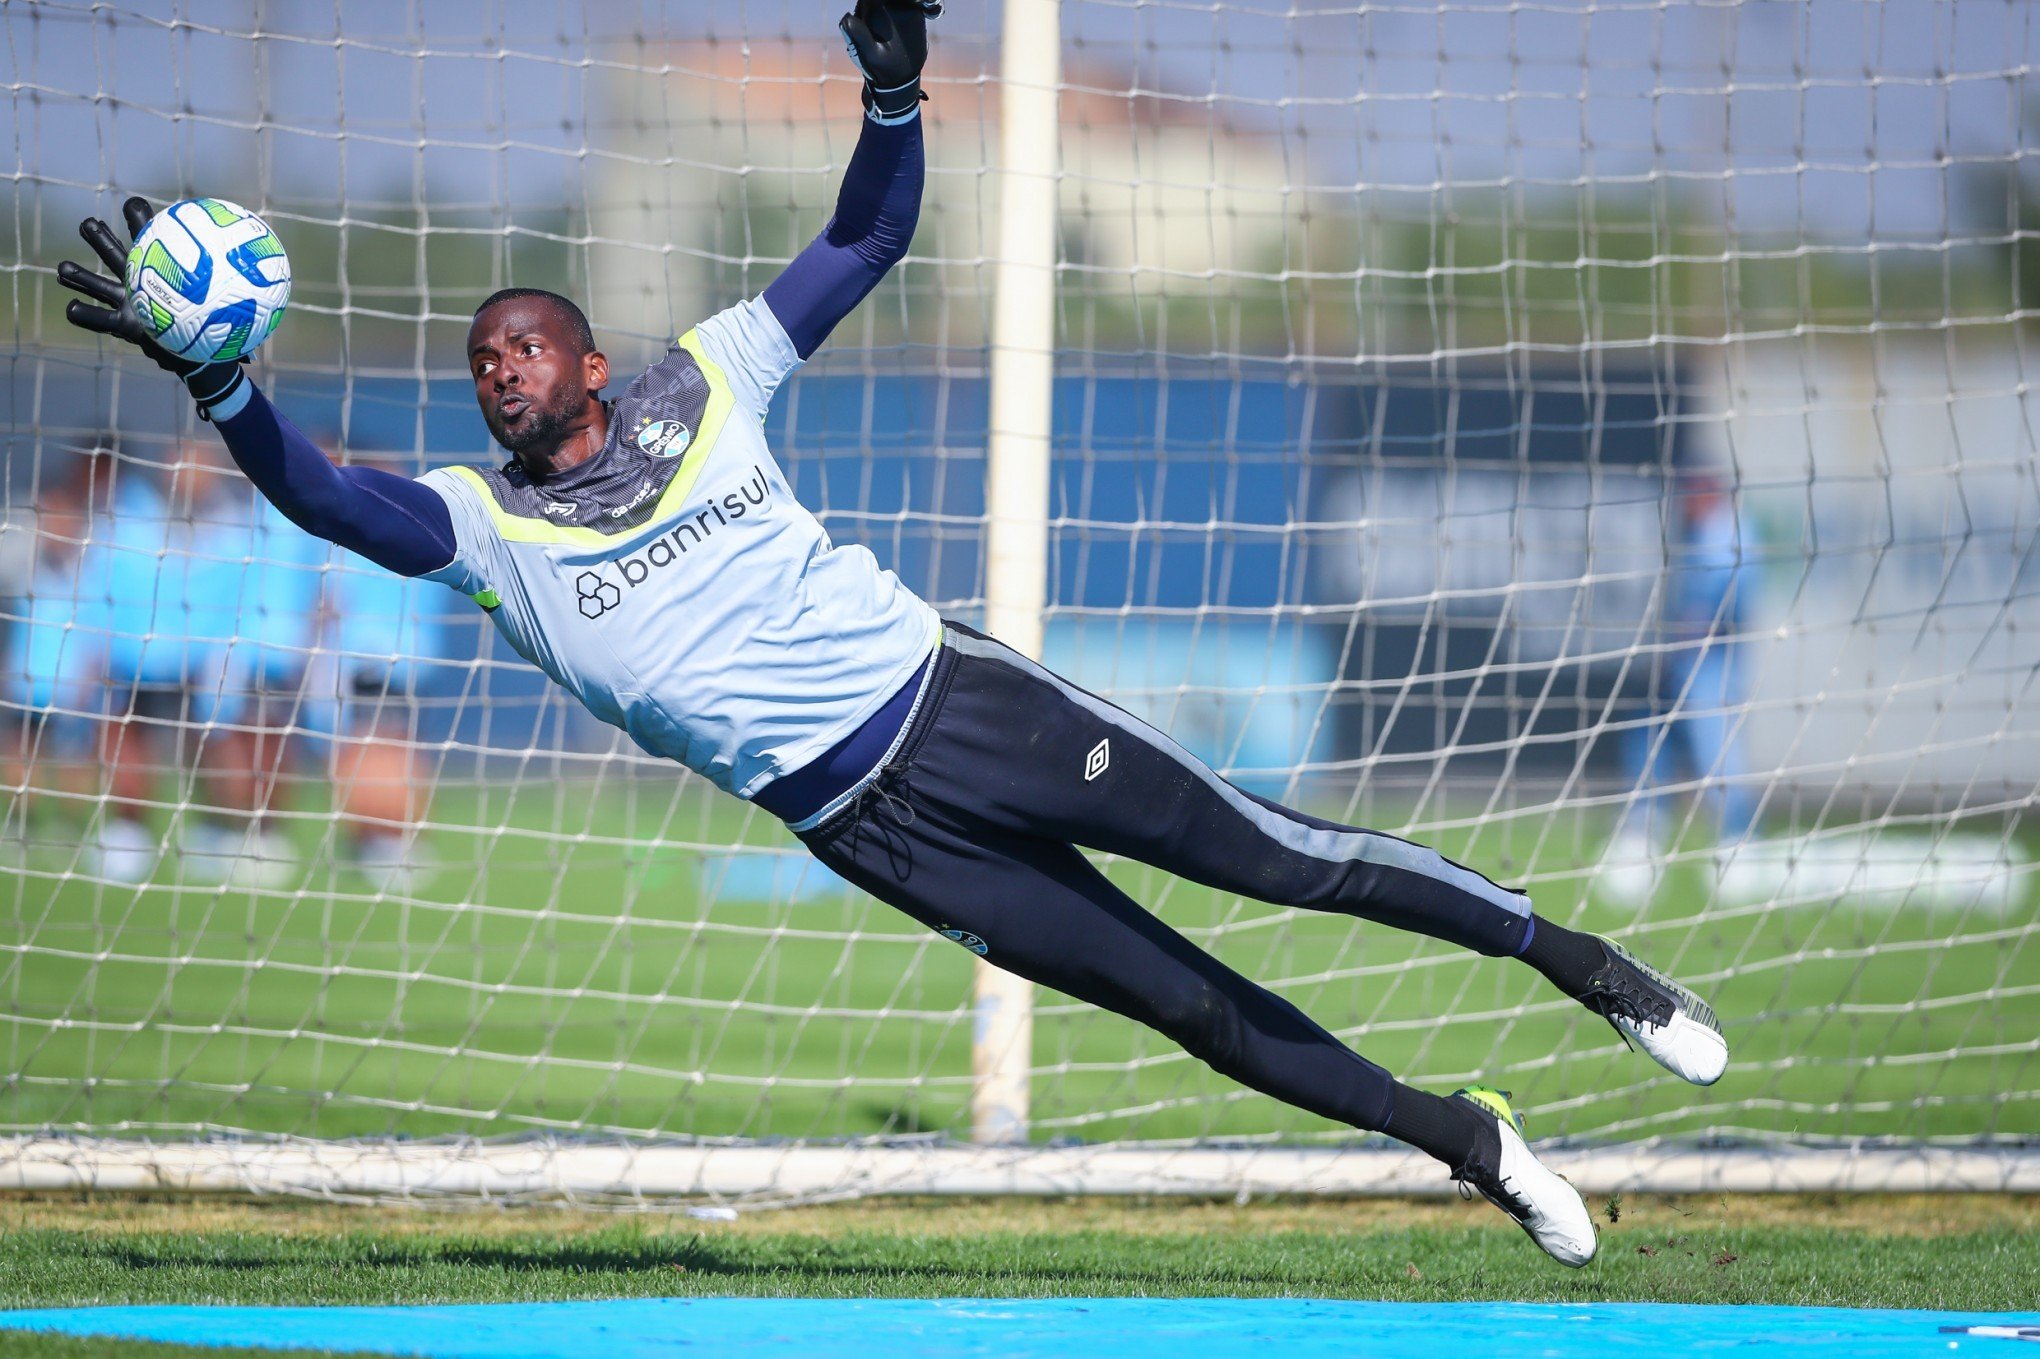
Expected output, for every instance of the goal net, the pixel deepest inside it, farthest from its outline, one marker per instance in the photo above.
(1596, 439)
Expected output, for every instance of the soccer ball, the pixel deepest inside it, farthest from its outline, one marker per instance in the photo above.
(208, 279)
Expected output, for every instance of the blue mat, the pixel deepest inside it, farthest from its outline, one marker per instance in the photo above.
(1109, 1328)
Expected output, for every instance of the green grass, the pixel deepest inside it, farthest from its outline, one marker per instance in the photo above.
(26, 1346)
(571, 966)
(1458, 1262)
(1965, 1254)
(1962, 1253)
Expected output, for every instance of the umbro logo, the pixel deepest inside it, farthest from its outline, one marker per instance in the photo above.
(1099, 760)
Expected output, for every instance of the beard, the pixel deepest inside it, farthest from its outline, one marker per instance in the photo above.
(543, 427)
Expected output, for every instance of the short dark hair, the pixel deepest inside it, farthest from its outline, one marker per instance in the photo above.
(576, 319)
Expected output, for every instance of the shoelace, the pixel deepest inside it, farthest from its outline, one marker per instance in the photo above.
(1504, 1196)
(1620, 991)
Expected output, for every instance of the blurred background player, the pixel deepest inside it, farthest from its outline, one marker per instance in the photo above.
(186, 567)
(373, 627)
(269, 663)
(55, 637)
(1696, 697)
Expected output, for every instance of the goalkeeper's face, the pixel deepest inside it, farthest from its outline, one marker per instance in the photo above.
(538, 387)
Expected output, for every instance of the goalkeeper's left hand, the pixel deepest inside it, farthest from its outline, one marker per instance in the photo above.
(209, 383)
(888, 39)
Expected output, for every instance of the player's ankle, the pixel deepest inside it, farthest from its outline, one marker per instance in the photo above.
(1451, 1130)
(1567, 958)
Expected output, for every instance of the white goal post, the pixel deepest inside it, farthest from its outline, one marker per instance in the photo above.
(1017, 456)
(1595, 438)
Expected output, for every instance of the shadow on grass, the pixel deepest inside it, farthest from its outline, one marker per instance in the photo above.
(1061, 1264)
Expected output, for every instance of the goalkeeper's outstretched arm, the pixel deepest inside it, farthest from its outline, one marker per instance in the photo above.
(880, 201)
(391, 520)
(405, 526)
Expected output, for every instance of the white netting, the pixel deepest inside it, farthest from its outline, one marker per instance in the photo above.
(1593, 438)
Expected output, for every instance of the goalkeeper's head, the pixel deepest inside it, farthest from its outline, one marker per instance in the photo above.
(538, 377)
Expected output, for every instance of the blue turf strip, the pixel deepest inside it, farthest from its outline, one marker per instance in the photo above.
(1107, 1328)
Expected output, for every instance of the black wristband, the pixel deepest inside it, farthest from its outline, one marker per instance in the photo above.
(896, 105)
(212, 384)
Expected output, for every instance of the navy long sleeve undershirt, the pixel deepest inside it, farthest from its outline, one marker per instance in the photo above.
(404, 526)
(876, 211)
(393, 521)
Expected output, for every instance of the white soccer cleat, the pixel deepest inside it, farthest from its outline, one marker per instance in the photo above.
(1543, 1204)
(248, 857)
(1630, 872)
(1655, 1013)
(206, 851)
(263, 859)
(384, 860)
(124, 851)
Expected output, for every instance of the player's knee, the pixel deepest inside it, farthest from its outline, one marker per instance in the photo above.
(1205, 1021)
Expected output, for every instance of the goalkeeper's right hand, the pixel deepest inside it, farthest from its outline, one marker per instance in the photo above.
(210, 383)
(888, 39)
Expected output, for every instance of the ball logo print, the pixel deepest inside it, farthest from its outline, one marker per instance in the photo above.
(208, 280)
(1099, 760)
(596, 596)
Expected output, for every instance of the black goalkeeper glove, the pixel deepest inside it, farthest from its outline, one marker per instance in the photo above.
(210, 383)
(888, 39)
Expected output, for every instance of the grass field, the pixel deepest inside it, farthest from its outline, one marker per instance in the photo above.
(589, 957)
(1958, 1253)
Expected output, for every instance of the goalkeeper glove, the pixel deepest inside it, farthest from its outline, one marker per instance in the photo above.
(209, 383)
(888, 39)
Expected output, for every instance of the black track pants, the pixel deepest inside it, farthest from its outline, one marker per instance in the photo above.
(1005, 769)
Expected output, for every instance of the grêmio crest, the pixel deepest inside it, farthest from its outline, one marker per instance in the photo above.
(662, 438)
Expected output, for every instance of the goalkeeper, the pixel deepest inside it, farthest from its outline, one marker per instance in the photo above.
(646, 552)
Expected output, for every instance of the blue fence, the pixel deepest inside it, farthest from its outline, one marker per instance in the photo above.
(1203, 564)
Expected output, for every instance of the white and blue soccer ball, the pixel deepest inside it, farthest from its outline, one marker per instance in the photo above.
(208, 279)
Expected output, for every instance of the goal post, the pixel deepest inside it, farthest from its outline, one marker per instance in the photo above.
(1018, 452)
(1596, 440)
